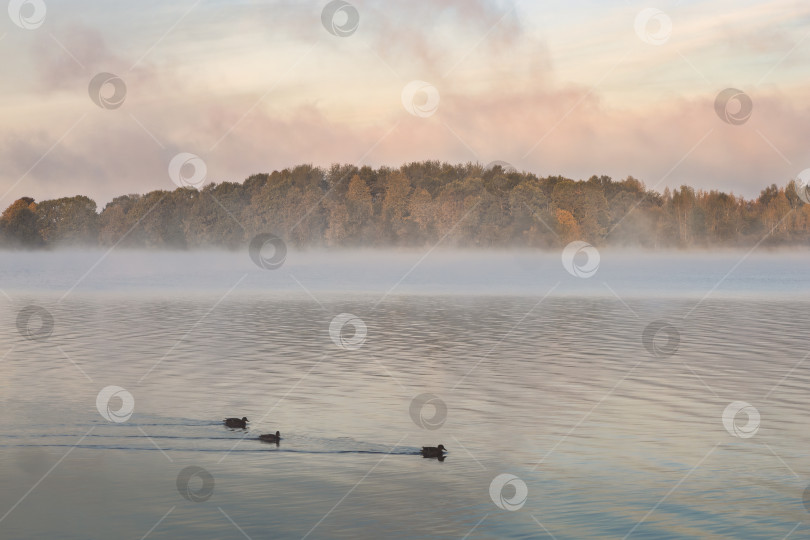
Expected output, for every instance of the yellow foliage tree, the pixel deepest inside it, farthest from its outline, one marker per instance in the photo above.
(567, 226)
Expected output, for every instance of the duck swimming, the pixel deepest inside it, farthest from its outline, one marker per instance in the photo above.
(434, 451)
(236, 422)
(270, 437)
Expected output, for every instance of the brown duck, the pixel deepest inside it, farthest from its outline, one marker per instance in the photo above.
(236, 422)
(271, 437)
(433, 451)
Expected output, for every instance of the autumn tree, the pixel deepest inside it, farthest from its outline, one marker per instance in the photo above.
(68, 221)
(421, 215)
(420, 203)
(567, 226)
(530, 220)
(18, 224)
(395, 206)
(586, 202)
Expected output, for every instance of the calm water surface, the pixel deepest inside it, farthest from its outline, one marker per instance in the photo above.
(544, 376)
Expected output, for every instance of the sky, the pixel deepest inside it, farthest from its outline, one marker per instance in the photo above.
(98, 98)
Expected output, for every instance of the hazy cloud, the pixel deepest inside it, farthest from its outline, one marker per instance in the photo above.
(253, 87)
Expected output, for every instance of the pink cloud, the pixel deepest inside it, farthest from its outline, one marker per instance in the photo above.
(489, 110)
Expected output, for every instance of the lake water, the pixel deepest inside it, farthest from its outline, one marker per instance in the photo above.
(512, 363)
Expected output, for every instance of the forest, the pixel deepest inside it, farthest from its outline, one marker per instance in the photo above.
(418, 204)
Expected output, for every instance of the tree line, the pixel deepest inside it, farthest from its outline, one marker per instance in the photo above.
(415, 205)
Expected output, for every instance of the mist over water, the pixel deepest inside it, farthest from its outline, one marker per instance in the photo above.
(473, 272)
(543, 375)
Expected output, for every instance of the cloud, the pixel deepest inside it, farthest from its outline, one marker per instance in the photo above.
(62, 62)
(678, 143)
(249, 96)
